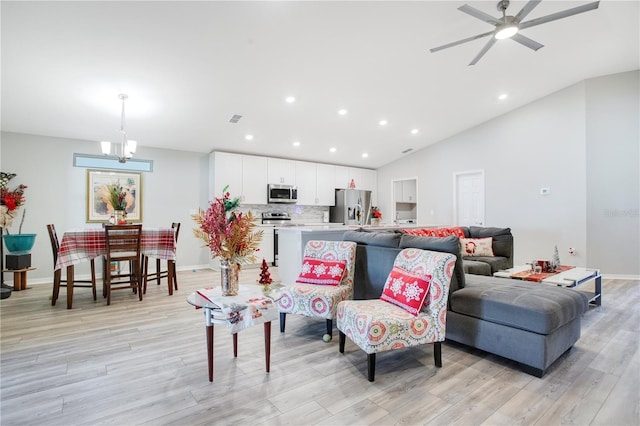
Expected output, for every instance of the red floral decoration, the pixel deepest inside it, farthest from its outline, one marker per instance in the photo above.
(227, 231)
(10, 200)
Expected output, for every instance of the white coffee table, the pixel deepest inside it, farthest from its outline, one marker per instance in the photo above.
(572, 278)
(578, 277)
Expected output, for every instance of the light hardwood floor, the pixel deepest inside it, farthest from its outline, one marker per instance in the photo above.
(145, 363)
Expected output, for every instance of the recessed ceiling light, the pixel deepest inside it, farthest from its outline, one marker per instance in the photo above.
(296, 143)
(414, 131)
(290, 99)
(249, 137)
(365, 155)
(503, 96)
(332, 149)
(382, 122)
(342, 111)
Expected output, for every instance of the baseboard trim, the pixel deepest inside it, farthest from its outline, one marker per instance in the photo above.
(621, 277)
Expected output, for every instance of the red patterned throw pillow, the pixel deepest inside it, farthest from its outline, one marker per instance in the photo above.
(435, 232)
(319, 271)
(406, 290)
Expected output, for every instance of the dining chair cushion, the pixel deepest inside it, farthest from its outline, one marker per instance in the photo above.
(319, 271)
(406, 290)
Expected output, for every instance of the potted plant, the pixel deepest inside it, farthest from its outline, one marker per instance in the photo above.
(10, 203)
(229, 235)
(376, 215)
(118, 201)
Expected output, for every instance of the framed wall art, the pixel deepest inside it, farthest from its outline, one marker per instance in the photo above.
(99, 182)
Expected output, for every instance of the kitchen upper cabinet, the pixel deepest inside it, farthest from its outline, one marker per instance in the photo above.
(405, 191)
(248, 175)
(363, 178)
(368, 180)
(325, 190)
(315, 184)
(409, 191)
(341, 177)
(254, 179)
(227, 170)
(306, 183)
(281, 171)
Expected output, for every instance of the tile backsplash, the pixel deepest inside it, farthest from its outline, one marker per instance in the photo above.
(303, 214)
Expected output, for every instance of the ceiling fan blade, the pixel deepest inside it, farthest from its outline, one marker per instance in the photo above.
(479, 14)
(486, 47)
(559, 15)
(526, 9)
(455, 43)
(526, 41)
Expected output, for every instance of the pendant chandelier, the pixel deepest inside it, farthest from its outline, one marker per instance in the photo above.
(126, 148)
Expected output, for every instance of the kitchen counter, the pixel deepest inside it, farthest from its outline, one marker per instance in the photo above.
(308, 227)
(292, 240)
(291, 243)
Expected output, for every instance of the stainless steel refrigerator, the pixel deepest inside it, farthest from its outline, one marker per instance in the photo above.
(353, 207)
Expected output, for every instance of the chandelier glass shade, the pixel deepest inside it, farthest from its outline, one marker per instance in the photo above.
(127, 147)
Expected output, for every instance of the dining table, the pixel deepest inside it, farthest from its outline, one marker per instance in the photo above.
(82, 245)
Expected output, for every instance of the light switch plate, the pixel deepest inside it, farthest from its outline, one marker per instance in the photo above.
(545, 191)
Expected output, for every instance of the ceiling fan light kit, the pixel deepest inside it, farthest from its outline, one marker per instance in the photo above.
(510, 26)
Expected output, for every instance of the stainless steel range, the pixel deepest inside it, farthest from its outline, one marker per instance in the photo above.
(276, 219)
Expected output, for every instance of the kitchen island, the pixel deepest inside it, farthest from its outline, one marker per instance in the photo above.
(292, 240)
(291, 243)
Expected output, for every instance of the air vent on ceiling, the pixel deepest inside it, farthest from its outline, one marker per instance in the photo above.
(235, 118)
(407, 150)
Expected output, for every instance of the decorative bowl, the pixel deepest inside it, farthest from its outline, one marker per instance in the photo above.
(19, 243)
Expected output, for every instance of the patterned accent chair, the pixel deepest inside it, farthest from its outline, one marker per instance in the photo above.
(377, 326)
(320, 301)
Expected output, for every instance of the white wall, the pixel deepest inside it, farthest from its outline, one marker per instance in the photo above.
(543, 144)
(56, 193)
(613, 161)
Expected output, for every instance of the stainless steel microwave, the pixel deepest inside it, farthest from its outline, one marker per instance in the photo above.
(277, 193)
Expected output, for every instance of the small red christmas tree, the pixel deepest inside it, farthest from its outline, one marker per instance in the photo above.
(265, 275)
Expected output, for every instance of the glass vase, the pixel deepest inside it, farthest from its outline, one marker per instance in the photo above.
(229, 278)
(119, 217)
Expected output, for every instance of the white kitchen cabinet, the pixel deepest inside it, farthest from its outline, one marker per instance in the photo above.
(266, 245)
(397, 191)
(281, 171)
(368, 180)
(315, 184)
(409, 191)
(405, 191)
(254, 179)
(306, 182)
(325, 190)
(227, 171)
(341, 177)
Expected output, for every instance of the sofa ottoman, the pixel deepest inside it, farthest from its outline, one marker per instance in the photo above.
(530, 323)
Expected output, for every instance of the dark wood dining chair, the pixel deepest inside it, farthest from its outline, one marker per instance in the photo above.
(169, 273)
(122, 245)
(58, 281)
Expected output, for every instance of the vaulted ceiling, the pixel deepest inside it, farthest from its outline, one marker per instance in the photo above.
(188, 67)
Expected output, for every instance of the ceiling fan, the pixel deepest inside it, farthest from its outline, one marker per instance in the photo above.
(509, 26)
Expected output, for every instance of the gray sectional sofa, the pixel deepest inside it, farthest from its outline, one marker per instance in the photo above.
(502, 246)
(530, 323)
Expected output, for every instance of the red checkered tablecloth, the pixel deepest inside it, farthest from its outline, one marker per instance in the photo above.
(86, 244)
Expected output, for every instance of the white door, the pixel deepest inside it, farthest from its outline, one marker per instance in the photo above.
(469, 198)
